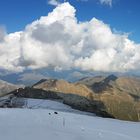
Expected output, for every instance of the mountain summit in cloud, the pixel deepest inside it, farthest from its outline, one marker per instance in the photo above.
(60, 42)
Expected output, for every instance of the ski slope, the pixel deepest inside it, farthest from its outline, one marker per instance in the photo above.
(44, 124)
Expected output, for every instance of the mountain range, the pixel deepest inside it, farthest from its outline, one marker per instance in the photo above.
(111, 96)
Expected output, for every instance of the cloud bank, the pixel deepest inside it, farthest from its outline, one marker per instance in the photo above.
(57, 2)
(59, 41)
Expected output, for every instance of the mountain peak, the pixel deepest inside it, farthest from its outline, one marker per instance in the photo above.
(6, 87)
(111, 78)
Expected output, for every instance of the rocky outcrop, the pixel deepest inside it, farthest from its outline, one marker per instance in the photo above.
(73, 100)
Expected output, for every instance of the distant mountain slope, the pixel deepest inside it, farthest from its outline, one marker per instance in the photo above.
(129, 85)
(99, 84)
(120, 95)
(6, 87)
(64, 87)
(89, 81)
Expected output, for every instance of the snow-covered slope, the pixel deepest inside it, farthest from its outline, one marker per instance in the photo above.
(37, 124)
(50, 104)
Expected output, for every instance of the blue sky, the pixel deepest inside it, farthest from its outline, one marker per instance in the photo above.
(123, 15)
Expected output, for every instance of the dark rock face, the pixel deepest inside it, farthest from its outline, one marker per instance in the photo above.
(41, 81)
(99, 87)
(75, 101)
(84, 104)
(29, 92)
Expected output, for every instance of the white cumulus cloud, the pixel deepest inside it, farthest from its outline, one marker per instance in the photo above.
(59, 41)
(107, 2)
(53, 2)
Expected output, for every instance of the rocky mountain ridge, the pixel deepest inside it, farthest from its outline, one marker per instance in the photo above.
(111, 96)
(119, 95)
